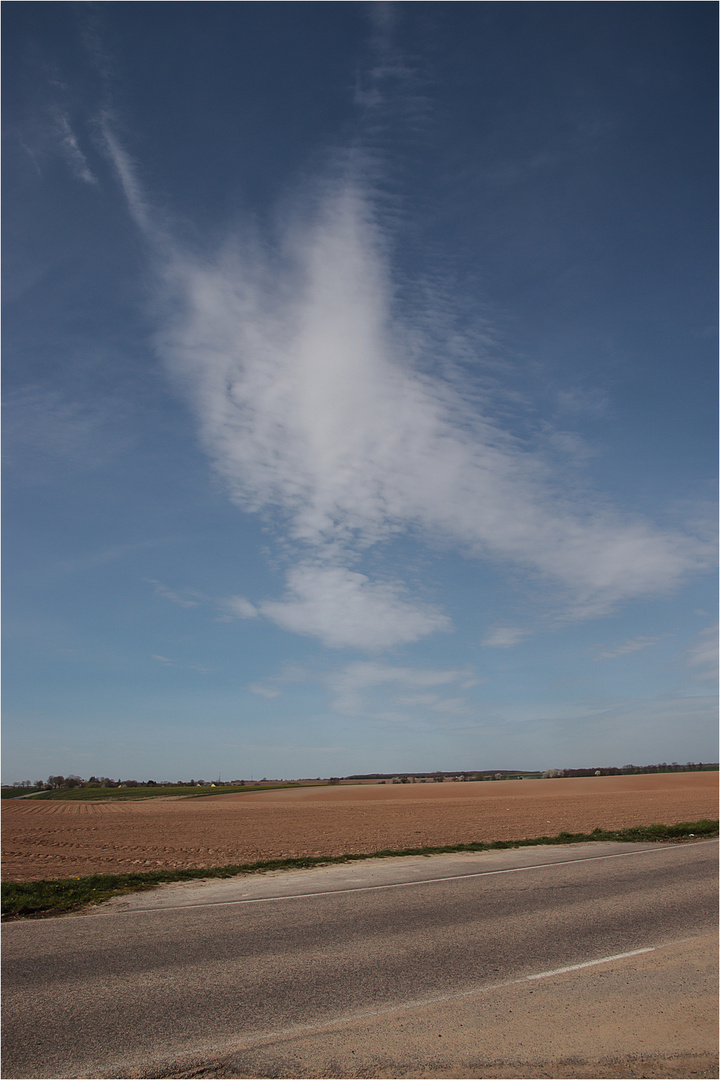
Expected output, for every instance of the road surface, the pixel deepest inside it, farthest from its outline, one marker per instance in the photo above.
(586, 960)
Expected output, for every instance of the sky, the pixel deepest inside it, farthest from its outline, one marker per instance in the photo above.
(359, 387)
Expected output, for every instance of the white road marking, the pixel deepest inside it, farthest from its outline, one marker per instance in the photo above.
(234, 1045)
(588, 963)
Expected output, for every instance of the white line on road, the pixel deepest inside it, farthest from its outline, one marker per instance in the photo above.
(235, 1045)
(588, 963)
(408, 1006)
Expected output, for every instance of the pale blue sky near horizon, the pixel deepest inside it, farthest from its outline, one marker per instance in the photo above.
(360, 383)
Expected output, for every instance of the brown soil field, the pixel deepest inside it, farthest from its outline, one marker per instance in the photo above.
(69, 839)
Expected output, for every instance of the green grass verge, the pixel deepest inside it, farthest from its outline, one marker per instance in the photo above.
(35, 898)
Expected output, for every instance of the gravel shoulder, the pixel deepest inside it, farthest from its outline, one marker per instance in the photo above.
(574, 1025)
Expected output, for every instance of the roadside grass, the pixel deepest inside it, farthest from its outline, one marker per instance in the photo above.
(143, 791)
(41, 898)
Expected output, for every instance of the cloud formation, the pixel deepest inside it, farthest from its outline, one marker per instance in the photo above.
(188, 598)
(70, 148)
(504, 637)
(703, 653)
(345, 608)
(402, 688)
(317, 402)
(384, 692)
(623, 648)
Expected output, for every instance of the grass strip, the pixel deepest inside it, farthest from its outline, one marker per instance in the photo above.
(22, 899)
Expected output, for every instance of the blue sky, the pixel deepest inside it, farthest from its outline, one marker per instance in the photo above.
(360, 387)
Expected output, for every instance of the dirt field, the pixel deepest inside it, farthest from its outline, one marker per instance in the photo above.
(68, 839)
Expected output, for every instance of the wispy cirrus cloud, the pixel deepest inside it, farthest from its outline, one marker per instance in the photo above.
(240, 607)
(126, 171)
(70, 148)
(353, 687)
(188, 598)
(316, 401)
(265, 690)
(311, 402)
(50, 129)
(622, 648)
(376, 689)
(702, 654)
(177, 664)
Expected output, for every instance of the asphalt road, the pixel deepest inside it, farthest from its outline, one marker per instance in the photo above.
(364, 970)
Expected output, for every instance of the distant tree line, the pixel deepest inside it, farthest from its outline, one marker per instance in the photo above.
(491, 774)
(626, 770)
(438, 776)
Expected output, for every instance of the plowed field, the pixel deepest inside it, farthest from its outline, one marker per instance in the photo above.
(68, 839)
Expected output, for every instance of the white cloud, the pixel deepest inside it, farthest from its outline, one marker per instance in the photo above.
(635, 644)
(52, 134)
(184, 598)
(176, 664)
(344, 608)
(132, 190)
(241, 607)
(703, 653)
(70, 148)
(581, 400)
(353, 686)
(274, 685)
(264, 690)
(315, 403)
(311, 402)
